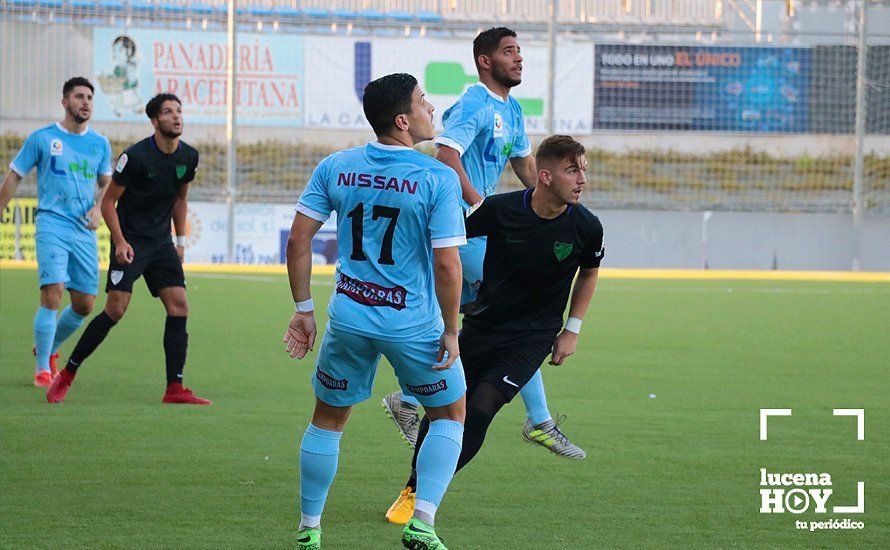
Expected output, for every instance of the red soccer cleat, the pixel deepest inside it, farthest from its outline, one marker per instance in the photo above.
(177, 394)
(60, 386)
(43, 379)
(53, 361)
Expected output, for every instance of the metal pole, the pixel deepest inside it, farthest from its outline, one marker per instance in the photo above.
(858, 163)
(551, 67)
(231, 141)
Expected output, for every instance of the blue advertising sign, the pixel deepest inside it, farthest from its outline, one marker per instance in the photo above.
(701, 88)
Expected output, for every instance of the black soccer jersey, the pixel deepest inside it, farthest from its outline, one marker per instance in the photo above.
(152, 178)
(530, 262)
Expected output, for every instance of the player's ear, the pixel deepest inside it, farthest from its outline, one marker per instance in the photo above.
(402, 122)
(484, 62)
(545, 176)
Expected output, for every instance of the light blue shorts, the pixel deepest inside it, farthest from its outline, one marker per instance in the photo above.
(347, 363)
(69, 260)
(472, 256)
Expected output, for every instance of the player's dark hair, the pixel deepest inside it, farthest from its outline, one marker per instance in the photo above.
(72, 83)
(128, 43)
(386, 98)
(154, 104)
(558, 148)
(488, 41)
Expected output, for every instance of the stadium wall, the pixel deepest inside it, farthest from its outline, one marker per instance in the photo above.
(634, 238)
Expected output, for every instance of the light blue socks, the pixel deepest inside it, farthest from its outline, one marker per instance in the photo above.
(69, 322)
(319, 451)
(44, 334)
(436, 462)
(535, 400)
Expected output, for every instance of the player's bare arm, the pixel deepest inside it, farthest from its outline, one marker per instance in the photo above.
(299, 337)
(94, 215)
(525, 169)
(582, 292)
(123, 252)
(10, 184)
(451, 158)
(180, 211)
(447, 270)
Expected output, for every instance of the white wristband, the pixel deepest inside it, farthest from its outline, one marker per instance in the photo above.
(306, 306)
(573, 324)
(180, 240)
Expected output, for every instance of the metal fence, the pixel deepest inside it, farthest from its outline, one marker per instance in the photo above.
(686, 104)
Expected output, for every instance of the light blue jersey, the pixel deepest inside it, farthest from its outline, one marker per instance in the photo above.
(394, 206)
(67, 167)
(487, 131)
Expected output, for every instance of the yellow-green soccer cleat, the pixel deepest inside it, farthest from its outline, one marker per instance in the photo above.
(420, 536)
(309, 538)
(402, 509)
(548, 435)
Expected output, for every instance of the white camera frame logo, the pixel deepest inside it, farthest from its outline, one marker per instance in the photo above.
(797, 500)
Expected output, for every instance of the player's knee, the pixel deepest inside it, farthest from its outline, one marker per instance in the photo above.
(178, 308)
(115, 311)
(83, 307)
(456, 411)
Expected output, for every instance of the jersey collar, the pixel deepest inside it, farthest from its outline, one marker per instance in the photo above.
(527, 202)
(386, 147)
(492, 94)
(65, 130)
(158, 149)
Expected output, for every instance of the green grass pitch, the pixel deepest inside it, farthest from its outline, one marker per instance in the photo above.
(113, 468)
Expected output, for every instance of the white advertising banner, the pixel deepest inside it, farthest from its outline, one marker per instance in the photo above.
(338, 68)
(131, 65)
(261, 232)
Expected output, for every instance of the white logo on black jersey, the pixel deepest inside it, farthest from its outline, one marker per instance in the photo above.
(121, 163)
(116, 276)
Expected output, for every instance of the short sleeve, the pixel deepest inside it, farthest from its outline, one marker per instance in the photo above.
(481, 220)
(123, 170)
(521, 145)
(462, 125)
(28, 156)
(314, 201)
(594, 247)
(105, 163)
(193, 167)
(446, 217)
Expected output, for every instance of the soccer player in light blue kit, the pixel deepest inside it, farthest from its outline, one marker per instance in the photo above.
(399, 225)
(483, 130)
(73, 171)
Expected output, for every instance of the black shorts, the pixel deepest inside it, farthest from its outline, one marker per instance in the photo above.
(506, 360)
(156, 261)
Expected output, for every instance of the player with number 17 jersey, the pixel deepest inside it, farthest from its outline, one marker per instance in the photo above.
(394, 205)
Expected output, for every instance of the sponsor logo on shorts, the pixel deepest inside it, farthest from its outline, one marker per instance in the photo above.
(116, 276)
(371, 294)
(329, 381)
(428, 389)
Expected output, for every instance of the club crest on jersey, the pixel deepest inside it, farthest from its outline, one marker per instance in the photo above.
(498, 126)
(180, 170)
(562, 250)
(55, 148)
